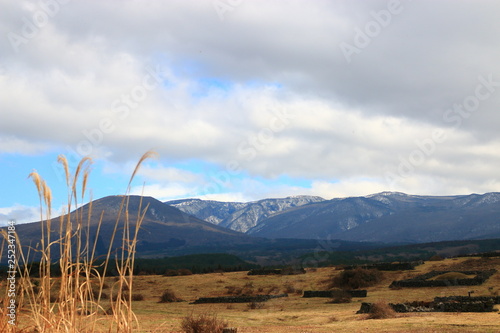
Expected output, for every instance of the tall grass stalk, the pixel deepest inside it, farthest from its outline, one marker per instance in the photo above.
(70, 303)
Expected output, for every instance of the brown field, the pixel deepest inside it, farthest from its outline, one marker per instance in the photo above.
(297, 314)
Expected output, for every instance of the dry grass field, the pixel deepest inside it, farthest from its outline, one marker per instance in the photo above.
(297, 314)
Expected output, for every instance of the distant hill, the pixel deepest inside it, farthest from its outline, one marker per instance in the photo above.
(240, 216)
(389, 217)
(164, 227)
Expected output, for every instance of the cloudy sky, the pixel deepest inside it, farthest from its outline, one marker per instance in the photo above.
(244, 100)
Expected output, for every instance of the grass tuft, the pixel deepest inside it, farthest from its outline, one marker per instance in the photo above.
(203, 323)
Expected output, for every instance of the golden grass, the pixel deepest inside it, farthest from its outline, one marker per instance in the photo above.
(297, 314)
(72, 303)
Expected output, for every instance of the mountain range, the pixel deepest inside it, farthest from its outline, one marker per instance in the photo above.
(278, 230)
(381, 217)
(240, 216)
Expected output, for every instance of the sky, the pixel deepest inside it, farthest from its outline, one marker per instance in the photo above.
(244, 100)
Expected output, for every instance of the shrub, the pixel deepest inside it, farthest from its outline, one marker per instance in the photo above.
(203, 323)
(381, 310)
(356, 278)
(171, 272)
(436, 258)
(184, 271)
(169, 296)
(138, 297)
(340, 296)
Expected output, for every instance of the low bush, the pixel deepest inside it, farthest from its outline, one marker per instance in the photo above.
(184, 271)
(381, 310)
(137, 297)
(171, 272)
(203, 323)
(340, 296)
(169, 296)
(356, 278)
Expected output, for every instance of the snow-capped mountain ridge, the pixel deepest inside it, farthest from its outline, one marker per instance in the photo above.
(240, 216)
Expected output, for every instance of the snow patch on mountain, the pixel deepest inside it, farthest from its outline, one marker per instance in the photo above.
(240, 216)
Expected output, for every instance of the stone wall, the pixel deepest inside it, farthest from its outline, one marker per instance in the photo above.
(263, 271)
(450, 306)
(475, 306)
(328, 293)
(237, 299)
(284, 271)
(388, 266)
(422, 280)
(493, 299)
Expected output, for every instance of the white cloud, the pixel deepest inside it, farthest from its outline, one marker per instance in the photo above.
(19, 213)
(223, 82)
(12, 144)
(163, 192)
(169, 174)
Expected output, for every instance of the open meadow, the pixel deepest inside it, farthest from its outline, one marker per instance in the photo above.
(297, 314)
